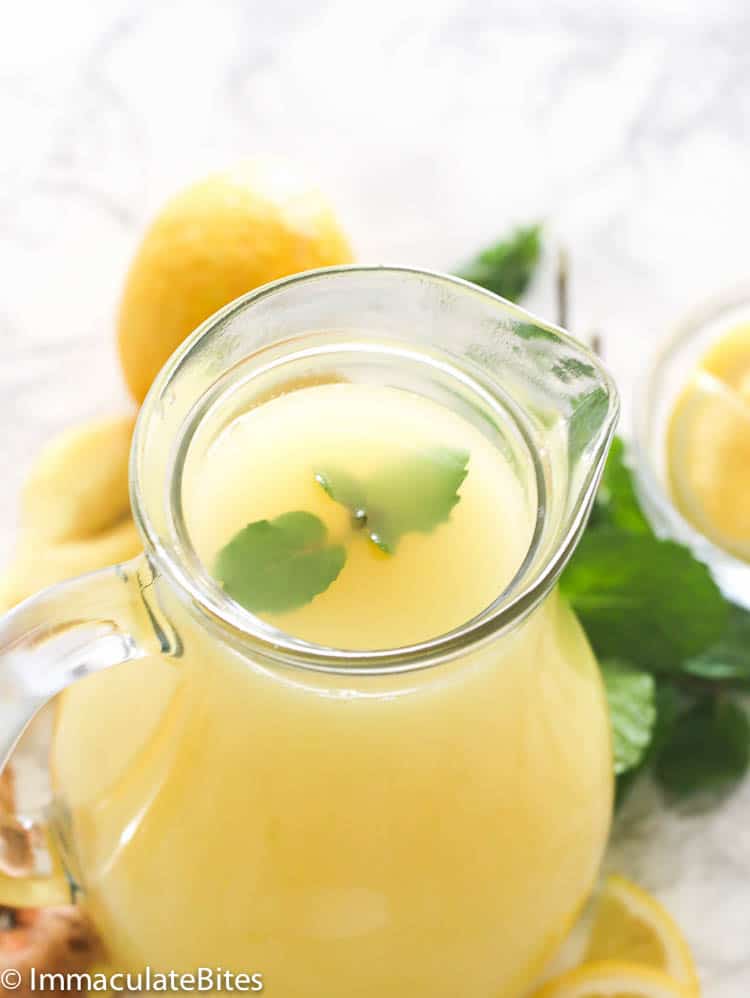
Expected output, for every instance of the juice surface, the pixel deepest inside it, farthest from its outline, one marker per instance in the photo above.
(265, 464)
(417, 836)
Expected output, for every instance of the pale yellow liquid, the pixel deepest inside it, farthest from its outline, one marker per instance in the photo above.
(265, 463)
(429, 835)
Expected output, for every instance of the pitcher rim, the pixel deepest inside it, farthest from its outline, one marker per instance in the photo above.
(261, 641)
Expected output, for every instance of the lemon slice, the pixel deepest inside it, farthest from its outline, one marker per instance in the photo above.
(630, 925)
(708, 461)
(729, 360)
(611, 979)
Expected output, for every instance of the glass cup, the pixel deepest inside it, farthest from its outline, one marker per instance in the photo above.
(421, 821)
(671, 369)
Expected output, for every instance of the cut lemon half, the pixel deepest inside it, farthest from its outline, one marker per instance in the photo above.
(708, 461)
(611, 979)
(631, 925)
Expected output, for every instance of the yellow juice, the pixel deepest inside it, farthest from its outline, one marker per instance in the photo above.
(427, 835)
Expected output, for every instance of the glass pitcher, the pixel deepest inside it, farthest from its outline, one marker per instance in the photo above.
(422, 821)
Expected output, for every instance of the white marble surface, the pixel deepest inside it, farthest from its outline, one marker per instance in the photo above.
(623, 124)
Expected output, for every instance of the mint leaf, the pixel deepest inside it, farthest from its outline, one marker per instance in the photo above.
(414, 493)
(708, 749)
(616, 503)
(669, 702)
(345, 489)
(652, 603)
(272, 566)
(729, 658)
(631, 695)
(645, 600)
(506, 268)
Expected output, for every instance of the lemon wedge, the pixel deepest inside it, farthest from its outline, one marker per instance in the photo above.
(631, 925)
(708, 459)
(611, 979)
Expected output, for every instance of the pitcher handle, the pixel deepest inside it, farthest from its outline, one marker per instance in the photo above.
(48, 642)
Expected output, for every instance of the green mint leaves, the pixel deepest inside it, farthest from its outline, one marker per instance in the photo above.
(729, 657)
(415, 493)
(675, 653)
(272, 566)
(507, 267)
(642, 599)
(709, 749)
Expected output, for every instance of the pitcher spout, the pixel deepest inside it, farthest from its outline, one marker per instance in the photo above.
(570, 405)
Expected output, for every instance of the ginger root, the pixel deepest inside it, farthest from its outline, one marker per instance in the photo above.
(51, 940)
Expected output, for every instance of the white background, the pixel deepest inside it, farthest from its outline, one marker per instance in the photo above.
(623, 125)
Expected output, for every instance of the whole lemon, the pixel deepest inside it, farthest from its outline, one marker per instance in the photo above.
(214, 241)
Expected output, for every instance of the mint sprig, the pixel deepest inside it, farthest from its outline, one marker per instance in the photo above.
(272, 566)
(652, 606)
(414, 493)
(507, 266)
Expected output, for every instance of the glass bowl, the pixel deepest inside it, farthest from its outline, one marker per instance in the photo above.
(667, 375)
